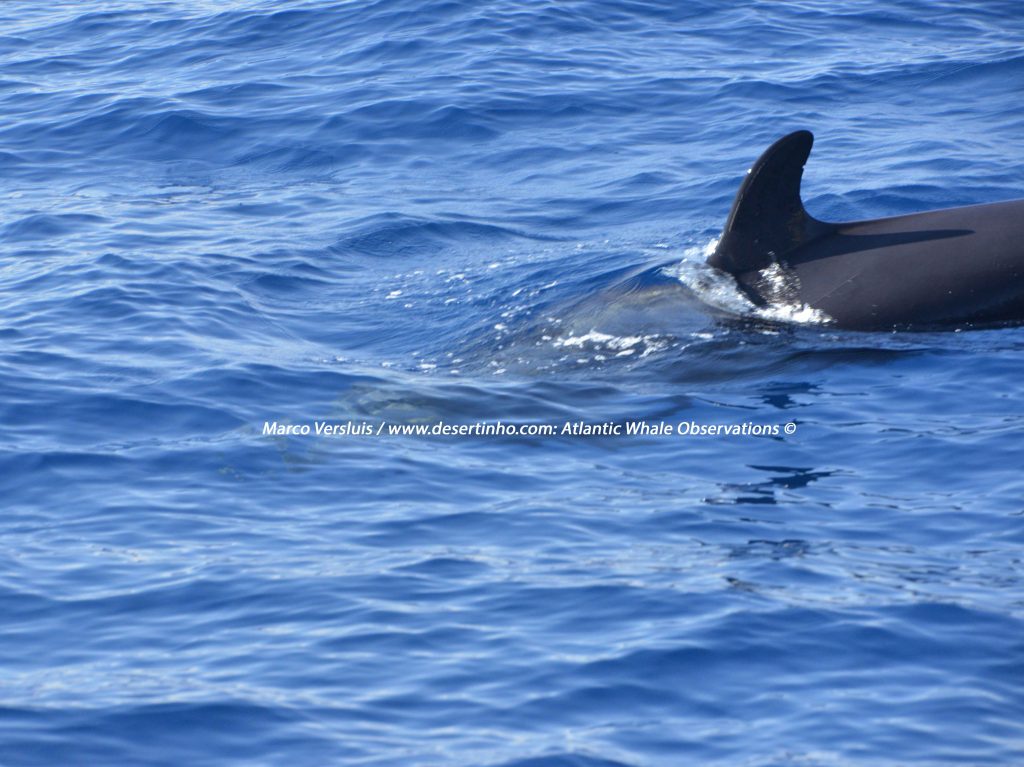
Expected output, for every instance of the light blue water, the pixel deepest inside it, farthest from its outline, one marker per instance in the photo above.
(217, 214)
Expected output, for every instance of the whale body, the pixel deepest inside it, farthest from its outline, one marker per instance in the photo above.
(953, 267)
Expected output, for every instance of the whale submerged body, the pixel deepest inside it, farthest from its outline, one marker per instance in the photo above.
(953, 267)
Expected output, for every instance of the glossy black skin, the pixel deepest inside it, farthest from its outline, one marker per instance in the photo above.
(955, 267)
(946, 267)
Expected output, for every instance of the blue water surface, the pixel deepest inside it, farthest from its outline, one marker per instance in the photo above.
(216, 215)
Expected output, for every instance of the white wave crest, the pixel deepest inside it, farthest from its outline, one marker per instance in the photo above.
(619, 346)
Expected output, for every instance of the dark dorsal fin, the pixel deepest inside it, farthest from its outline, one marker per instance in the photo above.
(768, 219)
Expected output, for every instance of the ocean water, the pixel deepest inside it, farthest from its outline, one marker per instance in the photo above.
(393, 215)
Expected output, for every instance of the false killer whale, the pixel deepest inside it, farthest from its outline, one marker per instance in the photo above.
(959, 266)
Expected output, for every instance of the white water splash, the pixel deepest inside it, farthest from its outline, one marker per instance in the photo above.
(719, 290)
(787, 309)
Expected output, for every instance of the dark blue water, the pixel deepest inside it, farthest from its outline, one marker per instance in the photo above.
(214, 215)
